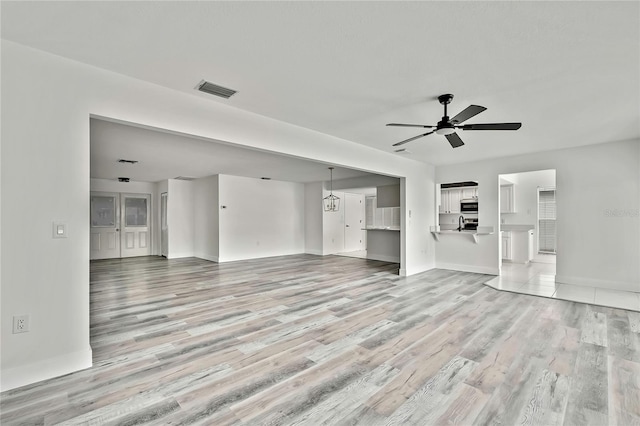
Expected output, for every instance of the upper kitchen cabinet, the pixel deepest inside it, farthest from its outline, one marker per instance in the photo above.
(452, 194)
(470, 193)
(450, 201)
(507, 199)
(388, 196)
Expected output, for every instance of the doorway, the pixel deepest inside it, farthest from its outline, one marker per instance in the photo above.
(527, 203)
(119, 225)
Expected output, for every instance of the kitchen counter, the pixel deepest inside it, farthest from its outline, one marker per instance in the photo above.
(482, 230)
(383, 244)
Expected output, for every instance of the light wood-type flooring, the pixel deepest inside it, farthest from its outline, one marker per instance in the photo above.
(311, 340)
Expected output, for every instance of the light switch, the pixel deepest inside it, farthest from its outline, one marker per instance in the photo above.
(59, 230)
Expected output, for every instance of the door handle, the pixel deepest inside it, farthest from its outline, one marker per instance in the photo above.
(347, 226)
(117, 229)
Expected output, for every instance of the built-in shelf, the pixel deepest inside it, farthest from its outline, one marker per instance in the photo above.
(482, 230)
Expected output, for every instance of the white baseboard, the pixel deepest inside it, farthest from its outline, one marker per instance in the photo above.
(207, 257)
(468, 268)
(42, 370)
(383, 257)
(180, 255)
(591, 282)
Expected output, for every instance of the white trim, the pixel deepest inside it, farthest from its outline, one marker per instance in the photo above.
(383, 257)
(46, 369)
(604, 284)
(207, 257)
(469, 268)
(180, 255)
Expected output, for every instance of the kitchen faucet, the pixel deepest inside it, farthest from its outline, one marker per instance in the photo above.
(460, 223)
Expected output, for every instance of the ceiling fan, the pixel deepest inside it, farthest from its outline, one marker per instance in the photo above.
(447, 126)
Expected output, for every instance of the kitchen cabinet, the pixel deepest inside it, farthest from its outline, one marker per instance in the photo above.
(450, 200)
(470, 193)
(506, 246)
(517, 244)
(522, 246)
(507, 199)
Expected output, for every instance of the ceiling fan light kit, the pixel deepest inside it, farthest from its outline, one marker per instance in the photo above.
(447, 127)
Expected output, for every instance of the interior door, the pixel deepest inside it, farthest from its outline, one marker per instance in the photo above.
(164, 228)
(135, 238)
(354, 222)
(104, 235)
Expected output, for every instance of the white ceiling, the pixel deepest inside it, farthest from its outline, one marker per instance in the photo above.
(569, 71)
(164, 155)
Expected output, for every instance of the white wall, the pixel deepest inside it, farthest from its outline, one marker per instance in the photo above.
(60, 96)
(598, 198)
(132, 187)
(313, 227)
(206, 218)
(526, 198)
(260, 218)
(180, 218)
(333, 226)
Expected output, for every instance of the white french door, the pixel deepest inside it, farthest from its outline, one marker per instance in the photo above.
(104, 230)
(119, 225)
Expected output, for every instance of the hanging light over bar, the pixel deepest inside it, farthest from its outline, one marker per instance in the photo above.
(331, 202)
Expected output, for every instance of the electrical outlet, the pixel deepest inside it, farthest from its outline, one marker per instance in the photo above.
(20, 324)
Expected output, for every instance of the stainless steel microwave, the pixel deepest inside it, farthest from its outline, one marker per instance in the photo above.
(469, 206)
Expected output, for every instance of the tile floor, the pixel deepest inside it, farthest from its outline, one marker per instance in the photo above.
(538, 279)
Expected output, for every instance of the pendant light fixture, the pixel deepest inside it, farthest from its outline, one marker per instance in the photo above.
(331, 202)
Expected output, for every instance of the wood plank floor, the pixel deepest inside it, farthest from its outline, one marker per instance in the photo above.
(311, 340)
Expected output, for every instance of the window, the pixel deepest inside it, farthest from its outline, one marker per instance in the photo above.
(546, 220)
(380, 217)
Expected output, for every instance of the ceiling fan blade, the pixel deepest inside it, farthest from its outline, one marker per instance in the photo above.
(492, 126)
(412, 139)
(454, 140)
(467, 113)
(411, 125)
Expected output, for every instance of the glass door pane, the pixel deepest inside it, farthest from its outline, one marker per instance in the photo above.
(103, 211)
(135, 212)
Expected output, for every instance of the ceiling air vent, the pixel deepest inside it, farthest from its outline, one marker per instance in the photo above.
(214, 89)
(185, 178)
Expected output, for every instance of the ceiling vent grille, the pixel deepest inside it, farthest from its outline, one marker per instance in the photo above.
(214, 89)
(185, 178)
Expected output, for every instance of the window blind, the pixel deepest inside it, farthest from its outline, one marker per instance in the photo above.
(379, 217)
(546, 220)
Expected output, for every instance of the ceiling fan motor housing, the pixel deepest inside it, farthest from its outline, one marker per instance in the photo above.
(445, 127)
